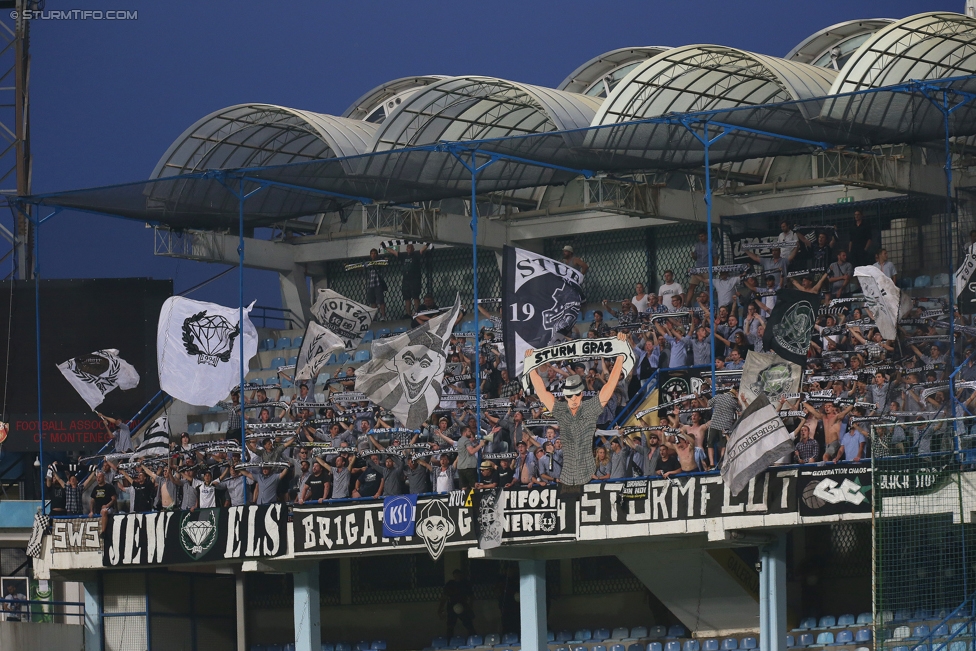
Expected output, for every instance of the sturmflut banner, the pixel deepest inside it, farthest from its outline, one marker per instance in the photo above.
(204, 535)
(541, 299)
(199, 352)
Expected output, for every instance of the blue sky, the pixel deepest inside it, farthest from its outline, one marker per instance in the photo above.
(109, 97)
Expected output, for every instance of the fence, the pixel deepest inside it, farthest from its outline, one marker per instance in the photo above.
(923, 497)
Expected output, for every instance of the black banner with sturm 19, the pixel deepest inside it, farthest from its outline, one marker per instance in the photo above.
(205, 535)
(834, 490)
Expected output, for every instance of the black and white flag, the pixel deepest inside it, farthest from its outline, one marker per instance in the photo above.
(758, 439)
(94, 376)
(346, 318)
(541, 298)
(317, 345)
(36, 543)
(155, 440)
(405, 373)
(964, 283)
(198, 351)
(790, 324)
(883, 299)
(770, 375)
(491, 517)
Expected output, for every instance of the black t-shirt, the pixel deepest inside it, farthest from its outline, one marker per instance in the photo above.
(859, 237)
(490, 479)
(412, 267)
(369, 482)
(101, 496)
(671, 464)
(145, 493)
(316, 486)
(56, 491)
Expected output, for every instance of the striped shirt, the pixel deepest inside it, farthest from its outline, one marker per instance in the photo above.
(724, 407)
(576, 432)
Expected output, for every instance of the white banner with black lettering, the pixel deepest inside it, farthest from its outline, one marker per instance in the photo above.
(346, 318)
(759, 438)
(198, 351)
(964, 284)
(570, 350)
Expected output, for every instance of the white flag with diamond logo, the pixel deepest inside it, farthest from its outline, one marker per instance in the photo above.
(198, 349)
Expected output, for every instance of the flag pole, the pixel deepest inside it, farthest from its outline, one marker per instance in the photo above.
(240, 309)
(474, 254)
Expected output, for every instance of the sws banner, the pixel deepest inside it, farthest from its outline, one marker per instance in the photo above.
(834, 490)
(441, 523)
(205, 535)
(75, 536)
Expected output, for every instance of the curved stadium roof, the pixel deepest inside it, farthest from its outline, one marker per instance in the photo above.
(601, 74)
(847, 36)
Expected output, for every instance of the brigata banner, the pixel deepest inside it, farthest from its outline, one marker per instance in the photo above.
(205, 535)
(441, 523)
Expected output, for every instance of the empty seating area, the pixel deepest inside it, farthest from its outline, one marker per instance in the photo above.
(376, 645)
(920, 630)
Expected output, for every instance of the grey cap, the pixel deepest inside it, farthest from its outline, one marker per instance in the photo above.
(573, 386)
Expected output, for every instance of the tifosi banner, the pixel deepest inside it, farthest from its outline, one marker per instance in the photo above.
(205, 535)
(541, 298)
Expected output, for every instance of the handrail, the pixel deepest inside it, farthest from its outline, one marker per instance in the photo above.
(287, 316)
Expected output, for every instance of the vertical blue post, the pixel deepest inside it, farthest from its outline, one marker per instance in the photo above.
(711, 279)
(952, 276)
(308, 626)
(532, 604)
(772, 595)
(240, 318)
(93, 615)
(474, 253)
(37, 334)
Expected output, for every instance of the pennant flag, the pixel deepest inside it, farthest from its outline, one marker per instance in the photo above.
(541, 298)
(964, 283)
(491, 517)
(758, 439)
(405, 374)
(790, 325)
(41, 524)
(883, 299)
(317, 345)
(346, 318)
(198, 350)
(770, 375)
(155, 440)
(94, 376)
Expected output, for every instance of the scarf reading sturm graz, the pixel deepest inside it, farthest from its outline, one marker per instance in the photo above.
(405, 373)
(609, 347)
(790, 325)
(541, 298)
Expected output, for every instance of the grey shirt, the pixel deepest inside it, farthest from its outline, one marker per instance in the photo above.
(340, 482)
(418, 480)
(392, 477)
(577, 435)
(619, 462)
(465, 459)
(267, 487)
(236, 488)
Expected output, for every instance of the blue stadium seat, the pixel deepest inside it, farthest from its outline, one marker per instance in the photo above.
(790, 642)
(749, 643)
(292, 360)
(827, 621)
(382, 332)
(655, 646)
(493, 639)
(588, 316)
(630, 647)
(959, 645)
(343, 358)
(599, 647)
(864, 619)
(439, 643)
(905, 282)
(342, 646)
(322, 379)
(923, 281)
(601, 634)
(475, 640)
(845, 620)
(578, 648)
(510, 638)
(257, 381)
(902, 616)
(921, 614)
(194, 428)
(340, 374)
(616, 647)
(400, 330)
(277, 361)
(691, 645)
(923, 647)
(730, 644)
(901, 633)
(297, 342)
(455, 642)
(287, 384)
(806, 639)
(583, 635)
(843, 638)
(825, 638)
(958, 627)
(283, 343)
(362, 645)
(268, 344)
(677, 631)
(940, 280)
(672, 645)
(942, 630)
(562, 648)
(467, 326)
(657, 632)
(550, 636)
(638, 632)
(919, 632)
(361, 356)
(863, 635)
(619, 633)
(368, 337)
(900, 648)
(710, 644)
(563, 636)
(807, 623)
(327, 646)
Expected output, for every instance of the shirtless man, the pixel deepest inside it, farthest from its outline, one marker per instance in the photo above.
(688, 455)
(831, 421)
(697, 429)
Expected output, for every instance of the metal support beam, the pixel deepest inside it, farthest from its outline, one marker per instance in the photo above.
(772, 595)
(240, 611)
(308, 625)
(532, 604)
(93, 615)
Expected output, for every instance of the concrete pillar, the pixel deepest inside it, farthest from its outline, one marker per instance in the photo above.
(772, 595)
(345, 581)
(93, 615)
(240, 604)
(532, 605)
(308, 626)
(294, 294)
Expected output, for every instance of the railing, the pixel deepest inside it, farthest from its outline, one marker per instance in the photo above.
(39, 611)
(287, 319)
(409, 222)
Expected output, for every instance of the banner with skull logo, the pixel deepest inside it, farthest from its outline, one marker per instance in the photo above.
(790, 325)
(770, 375)
(541, 299)
(405, 373)
(198, 349)
(94, 376)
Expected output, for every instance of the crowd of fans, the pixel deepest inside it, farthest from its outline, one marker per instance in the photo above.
(348, 448)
